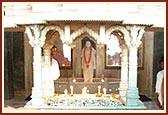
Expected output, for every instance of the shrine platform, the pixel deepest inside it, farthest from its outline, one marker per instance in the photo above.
(65, 83)
(89, 101)
(111, 84)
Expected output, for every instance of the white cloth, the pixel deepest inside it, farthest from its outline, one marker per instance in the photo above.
(158, 86)
(49, 74)
(55, 72)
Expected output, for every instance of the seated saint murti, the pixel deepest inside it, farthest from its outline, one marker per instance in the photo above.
(88, 62)
(50, 72)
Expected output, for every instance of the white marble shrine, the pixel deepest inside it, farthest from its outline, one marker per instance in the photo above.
(128, 88)
(128, 97)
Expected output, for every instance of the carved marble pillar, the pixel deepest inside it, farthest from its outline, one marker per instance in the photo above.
(102, 34)
(133, 44)
(100, 50)
(68, 39)
(124, 74)
(68, 42)
(36, 40)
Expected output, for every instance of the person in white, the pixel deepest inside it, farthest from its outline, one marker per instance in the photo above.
(88, 62)
(158, 86)
(50, 72)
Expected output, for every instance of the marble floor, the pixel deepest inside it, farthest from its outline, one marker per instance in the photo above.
(19, 105)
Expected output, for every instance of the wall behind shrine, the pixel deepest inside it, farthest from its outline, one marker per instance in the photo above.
(154, 50)
(14, 75)
(158, 52)
(145, 74)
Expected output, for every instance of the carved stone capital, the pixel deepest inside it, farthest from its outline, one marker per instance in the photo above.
(136, 33)
(34, 33)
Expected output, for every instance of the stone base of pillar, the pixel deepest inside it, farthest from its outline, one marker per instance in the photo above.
(37, 97)
(132, 97)
(123, 91)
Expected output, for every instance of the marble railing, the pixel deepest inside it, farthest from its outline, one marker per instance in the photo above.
(111, 84)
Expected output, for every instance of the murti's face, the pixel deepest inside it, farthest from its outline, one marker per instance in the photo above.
(88, 44)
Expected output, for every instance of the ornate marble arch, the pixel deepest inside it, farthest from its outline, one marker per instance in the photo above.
(114, 58)
(122, 29)
(56, 28)
(64, 56)
(82, 30)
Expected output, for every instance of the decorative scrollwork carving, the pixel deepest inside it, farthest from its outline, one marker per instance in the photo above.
(136, 33)
(56, 28)
(120, 28)
(83, 30)
(34, 35)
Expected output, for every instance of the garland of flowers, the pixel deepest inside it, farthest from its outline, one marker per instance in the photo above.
(90, 56)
